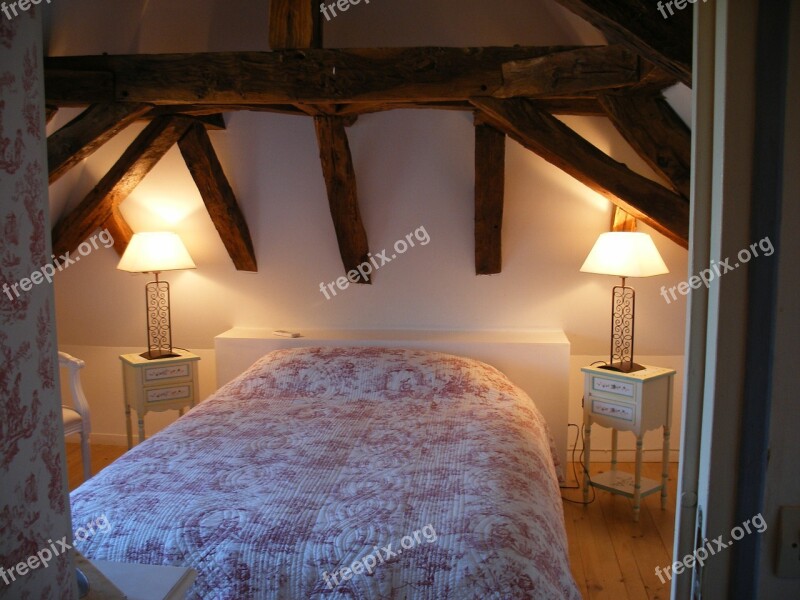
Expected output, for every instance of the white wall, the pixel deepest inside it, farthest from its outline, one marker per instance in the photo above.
(414, 168)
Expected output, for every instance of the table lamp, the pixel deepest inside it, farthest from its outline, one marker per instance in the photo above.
(154, 252)
(624, 254)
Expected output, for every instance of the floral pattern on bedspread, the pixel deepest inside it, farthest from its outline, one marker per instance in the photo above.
(316, 457)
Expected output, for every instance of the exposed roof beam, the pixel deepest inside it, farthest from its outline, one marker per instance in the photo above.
(340, 181)
(218, 196)
(565, 73)
(119, 229)
(134, 164)
(490, 165)
(314, 76)
(294, 24)
(548, 137)
(663, 39)
(657, 134)
(88, 131)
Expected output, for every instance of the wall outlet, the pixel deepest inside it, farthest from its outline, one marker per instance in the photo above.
(789, 542)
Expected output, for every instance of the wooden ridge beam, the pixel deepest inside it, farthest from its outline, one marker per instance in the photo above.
(79, 138)
(319, 76)
(294, 24)
(548, 137)
(564, 73)
(490, 164)
(657, 133)
(134, 164)
(340, 181)
(218, 196)
(663, 39)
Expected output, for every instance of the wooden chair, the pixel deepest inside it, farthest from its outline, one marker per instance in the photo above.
(76, 417)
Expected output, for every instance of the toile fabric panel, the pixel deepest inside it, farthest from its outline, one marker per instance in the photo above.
(34, 508)
(345, 473)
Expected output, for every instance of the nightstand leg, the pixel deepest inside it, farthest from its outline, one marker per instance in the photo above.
(128, 428)
(613, 449)
(141, 428)
(665, 467)
(587, 449)
(637, 482)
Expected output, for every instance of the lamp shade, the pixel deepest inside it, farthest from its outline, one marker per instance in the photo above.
(153, 252)
(625, 254)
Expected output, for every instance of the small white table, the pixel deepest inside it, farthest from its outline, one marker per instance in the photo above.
(636, 402)
(158, 384)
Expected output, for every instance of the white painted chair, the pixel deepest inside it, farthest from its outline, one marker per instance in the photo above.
(76, 417)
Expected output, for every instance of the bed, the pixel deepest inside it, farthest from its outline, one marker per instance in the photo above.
(333, 472)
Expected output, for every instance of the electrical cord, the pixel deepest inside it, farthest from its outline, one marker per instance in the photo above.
(579, 433)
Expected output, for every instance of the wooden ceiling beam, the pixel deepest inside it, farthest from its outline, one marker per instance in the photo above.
(134, 164)
(340, 181)
(119, 229)
(490, 165)
(218, 196)
(79, 138)
(294, 24)
(564, 73)
(662, 209)
(289, 77)
(657, 133)
(663, 39)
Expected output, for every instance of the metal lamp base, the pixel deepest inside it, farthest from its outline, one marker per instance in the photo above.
(155, 354)
(623, 367)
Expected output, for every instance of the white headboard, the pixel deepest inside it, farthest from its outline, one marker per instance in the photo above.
(535, 360)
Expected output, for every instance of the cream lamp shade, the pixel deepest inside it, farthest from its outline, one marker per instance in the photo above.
(154, 252)
(625, 254)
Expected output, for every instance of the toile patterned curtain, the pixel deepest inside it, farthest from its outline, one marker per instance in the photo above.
(33, 497)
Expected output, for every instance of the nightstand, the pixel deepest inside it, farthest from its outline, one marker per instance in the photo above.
(635, 402)
(156, 385)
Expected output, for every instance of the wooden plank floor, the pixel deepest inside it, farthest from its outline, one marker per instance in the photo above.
(611, 556)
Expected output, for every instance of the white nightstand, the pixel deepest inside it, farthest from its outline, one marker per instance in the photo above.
(636, 402)
(158, 384)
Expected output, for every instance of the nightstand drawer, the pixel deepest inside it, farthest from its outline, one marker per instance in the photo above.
(611, 388)
(602, 407)
(161, 374)
(172, 393)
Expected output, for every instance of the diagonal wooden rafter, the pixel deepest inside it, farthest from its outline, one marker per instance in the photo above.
(79, 138)
(656, 32)
(340, 76)
(656, 132)
(134, 164)
(340, 181)
(548, 137)
(218, 196)
(119, 229)
(490, 163)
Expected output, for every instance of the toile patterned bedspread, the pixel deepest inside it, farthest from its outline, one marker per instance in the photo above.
(345, 473)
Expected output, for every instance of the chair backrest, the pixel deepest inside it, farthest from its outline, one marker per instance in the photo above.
(80, 404)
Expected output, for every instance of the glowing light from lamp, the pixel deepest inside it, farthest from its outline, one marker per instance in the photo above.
(624, 254)
(154, 252)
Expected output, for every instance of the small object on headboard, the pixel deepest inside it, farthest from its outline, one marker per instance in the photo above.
(284, 333)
